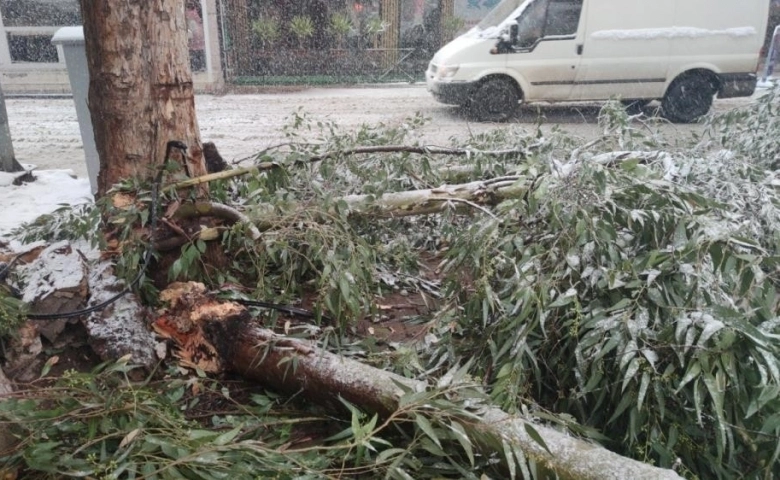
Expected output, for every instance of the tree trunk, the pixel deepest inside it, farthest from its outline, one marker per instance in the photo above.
(140, 94)
(215, 335)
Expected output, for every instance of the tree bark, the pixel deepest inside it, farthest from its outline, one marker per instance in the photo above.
(216, 336)
(141, 93)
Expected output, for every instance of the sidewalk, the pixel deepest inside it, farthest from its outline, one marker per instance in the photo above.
(51, 80)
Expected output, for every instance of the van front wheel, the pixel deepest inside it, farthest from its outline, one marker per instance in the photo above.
(687, 99)
(494, 101)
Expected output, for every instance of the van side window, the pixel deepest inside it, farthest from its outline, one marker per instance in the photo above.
(563, 17)
(531, 23)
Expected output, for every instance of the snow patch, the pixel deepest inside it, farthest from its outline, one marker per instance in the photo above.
(59, 267)
(120, 328)
(672, 33)
(51, 190)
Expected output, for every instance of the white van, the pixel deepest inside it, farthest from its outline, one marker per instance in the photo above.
(682, 52)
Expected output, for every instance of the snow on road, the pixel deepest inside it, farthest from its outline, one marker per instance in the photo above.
(45, 131)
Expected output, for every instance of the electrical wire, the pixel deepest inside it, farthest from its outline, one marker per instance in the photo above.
(175, 144)
(299, 312)
(147, 255)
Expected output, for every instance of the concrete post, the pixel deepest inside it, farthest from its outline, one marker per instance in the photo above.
(72, 41)
(7, 160)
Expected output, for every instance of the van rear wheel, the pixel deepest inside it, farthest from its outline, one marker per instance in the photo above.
(688, 98)
(495, 100)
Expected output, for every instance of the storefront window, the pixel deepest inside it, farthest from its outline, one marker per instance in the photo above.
(31, 48)
(40, 13)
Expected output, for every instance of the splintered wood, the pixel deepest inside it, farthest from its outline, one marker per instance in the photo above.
(188, 309)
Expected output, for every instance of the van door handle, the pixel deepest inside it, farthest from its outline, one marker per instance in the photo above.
(580, 48)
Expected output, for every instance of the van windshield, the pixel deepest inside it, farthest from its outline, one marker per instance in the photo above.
(499, 14)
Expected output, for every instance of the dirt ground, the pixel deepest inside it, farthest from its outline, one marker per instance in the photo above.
(45, 131)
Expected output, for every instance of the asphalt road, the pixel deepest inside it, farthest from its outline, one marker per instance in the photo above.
(45, 131)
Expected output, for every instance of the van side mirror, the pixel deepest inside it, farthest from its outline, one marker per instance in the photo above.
(513, 29)
(504, 44)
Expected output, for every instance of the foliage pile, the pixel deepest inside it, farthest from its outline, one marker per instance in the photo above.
(628, 294)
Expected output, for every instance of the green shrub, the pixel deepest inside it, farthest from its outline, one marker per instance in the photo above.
(302, 27)
(340, 26)
(266, 30)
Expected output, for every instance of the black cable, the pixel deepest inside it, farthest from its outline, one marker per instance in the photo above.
(147, 260)
(6, 267)
(147, 255)
(300, 312)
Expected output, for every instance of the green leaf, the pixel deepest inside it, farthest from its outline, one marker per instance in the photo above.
(463, 439)
(716, 386)
(510, 459)
(228, 437)
(642, 390)
(426, 427)
(633, 367)
(694, 369)
(531, 431)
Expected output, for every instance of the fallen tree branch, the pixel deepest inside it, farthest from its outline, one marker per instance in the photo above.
(436, 200)
(224, 174)
(473, 195)
(296, 366)
(422, 150)
(219, 210)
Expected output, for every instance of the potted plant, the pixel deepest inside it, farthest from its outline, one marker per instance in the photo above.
(340, 26)
(372, 28)
(266, 30)
(302, 27)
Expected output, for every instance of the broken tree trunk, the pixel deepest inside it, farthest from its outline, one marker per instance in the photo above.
(216, 335)
(140, 93)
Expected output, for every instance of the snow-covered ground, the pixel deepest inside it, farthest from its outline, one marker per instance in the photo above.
(45, 132)
(26, 202)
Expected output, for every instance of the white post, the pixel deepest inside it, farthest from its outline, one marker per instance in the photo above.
(212, 51)
(7, 160)
(5, 53)
(72, 41)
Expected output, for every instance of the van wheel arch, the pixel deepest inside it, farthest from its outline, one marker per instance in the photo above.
(494, 98)
(689, 96)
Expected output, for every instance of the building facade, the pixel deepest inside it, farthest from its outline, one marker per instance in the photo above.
(256, 41)
(30, 63)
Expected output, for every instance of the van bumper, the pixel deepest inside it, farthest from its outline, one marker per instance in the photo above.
(737, 85)
(451, 93)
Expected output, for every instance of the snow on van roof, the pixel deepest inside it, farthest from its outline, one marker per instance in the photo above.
(671, 32)
(489, 32)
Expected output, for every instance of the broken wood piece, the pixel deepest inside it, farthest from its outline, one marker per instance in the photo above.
(297, 367)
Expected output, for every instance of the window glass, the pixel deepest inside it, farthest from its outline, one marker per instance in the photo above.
(530, 24)
(563, 17)
(31, 48)
(40, 13)
(493, 17)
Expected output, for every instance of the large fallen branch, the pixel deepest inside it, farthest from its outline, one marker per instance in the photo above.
(216, 335)
(436, 200)
(422, 150)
